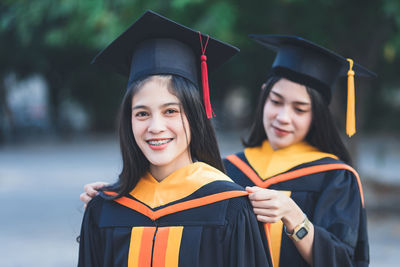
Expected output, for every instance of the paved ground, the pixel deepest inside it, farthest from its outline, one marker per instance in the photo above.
(41, 212)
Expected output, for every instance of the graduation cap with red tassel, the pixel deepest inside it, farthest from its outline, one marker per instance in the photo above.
(157, 45)
(204, 79)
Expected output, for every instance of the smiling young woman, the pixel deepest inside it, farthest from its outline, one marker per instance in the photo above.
(172, 204)
(295, 165)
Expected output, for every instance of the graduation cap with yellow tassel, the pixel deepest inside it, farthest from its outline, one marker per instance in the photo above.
(307, 63)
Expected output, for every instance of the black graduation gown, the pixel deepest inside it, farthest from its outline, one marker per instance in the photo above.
(333, 202)
(213, 226)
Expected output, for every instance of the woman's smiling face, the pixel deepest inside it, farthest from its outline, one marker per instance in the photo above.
(287, 114)
(159, 125)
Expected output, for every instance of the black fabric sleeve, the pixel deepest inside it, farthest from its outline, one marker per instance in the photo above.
(340, 233)
(90, 248)
(243, 243)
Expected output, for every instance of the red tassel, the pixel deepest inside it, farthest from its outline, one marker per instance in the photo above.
(206, 90)
(204, 80)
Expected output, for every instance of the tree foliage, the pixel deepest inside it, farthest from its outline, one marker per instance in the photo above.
(59, 38)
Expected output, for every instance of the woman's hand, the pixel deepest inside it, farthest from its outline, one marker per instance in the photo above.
(271, 206)
(90, 191)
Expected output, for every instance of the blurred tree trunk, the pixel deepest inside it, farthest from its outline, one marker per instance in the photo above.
(8, 130)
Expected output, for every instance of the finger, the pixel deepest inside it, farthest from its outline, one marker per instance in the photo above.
(85, 198)
(262, 194)
(92, 193)
(267, 204)
(259, 204)
(263, 204)
(264, 212)
(84, 206)
(98, 185)
(90, 190)
(94, 186)
(272, 214)
(265, 219)
(252, 189)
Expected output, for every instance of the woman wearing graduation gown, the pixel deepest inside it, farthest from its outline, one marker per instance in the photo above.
(172, 204)
(295, 165)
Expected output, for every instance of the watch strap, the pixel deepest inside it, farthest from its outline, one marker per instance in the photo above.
(300, 231)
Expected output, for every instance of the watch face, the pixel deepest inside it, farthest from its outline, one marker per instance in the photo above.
(301, 233)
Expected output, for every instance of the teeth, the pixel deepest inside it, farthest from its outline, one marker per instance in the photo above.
(158, 142)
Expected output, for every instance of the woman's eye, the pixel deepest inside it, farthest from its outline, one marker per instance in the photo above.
(141, 114)
(171, 111)
(276, 102)
(299, 110)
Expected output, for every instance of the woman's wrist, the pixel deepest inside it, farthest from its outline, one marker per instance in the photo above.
(294, 217)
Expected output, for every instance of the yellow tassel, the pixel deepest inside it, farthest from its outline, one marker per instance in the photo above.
(351, 114)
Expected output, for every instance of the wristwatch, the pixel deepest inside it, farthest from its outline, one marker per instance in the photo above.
(300, 231)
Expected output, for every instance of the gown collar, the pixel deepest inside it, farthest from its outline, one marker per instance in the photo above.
(179, 184)
(268, 162)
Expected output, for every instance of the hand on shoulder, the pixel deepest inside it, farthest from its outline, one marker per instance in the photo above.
(90, 191)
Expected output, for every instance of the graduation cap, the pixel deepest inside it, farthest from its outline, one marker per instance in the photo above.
(157, 45)
(307, 63)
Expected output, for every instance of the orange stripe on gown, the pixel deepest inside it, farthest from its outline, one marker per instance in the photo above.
(146, 246)
(166, 248)
(160, 247)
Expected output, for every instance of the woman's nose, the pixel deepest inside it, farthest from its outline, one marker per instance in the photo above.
(283, 115)
(156, 125)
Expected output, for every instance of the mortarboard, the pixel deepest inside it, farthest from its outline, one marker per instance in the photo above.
(307, 63)
(157, 45)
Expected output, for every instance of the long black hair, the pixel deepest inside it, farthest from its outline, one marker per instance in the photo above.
(322, 134)
(203, 144)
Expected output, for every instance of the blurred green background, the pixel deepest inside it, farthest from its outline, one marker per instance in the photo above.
(52, 43)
